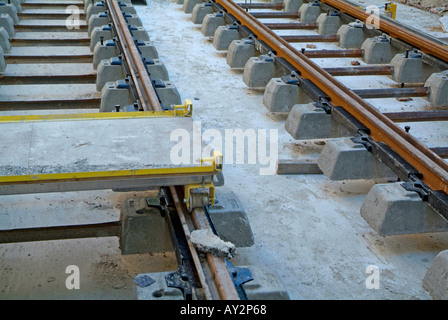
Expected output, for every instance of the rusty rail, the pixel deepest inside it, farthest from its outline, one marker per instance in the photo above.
(415, 116)
(273, 6)
(344, 53)
(433, 169)
(292, 26)
(225, 288)
(394, 30)
(147, 95)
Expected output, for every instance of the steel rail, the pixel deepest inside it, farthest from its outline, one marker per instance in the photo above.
(344, 53)
(148, 97)
(221, 276)
(200, 272)
(394, 30)
(275, 15)
(292, 26)
(433, 169)
(274, 6)
(218, 266)
(311, 38)
(418, 116)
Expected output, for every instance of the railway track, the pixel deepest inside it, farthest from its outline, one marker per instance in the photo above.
(45, 54)
(325, 85)
(51, 67)
(282, 46)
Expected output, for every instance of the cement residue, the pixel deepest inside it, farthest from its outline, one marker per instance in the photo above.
(206, 241)
(78, 166)
(434, 6)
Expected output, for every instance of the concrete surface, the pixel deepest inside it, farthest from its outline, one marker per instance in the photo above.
(316, 242)
(391, 209)
(435, 279)
(90, 143)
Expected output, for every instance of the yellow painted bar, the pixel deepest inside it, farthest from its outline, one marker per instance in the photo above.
(76, 176)
(185, 110)
(214, 164)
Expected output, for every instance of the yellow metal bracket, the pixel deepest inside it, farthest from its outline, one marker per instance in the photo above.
(184, 110)
(216, 162)
(391, 10)
(190, 187)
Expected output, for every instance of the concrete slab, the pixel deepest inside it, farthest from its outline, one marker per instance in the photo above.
(7, 23)
(230, 220)
(4, 40)
(46, 69)
(239, 52)
(328, 24)
(436, 278)
(391, 209)
(344, 159)
(350, 36)
(310, 263)
(51, 35)
(200, 11)
(144, 229)
(40, 92)
(292, 5)
(280, 96)
(48, 22)
(377, 50)
(410, 68)
(2, 60)
(50, 50)
(305, 121)
(438, 88)
(308, 12)
(82, 145)
(264, 286)
(258, 71)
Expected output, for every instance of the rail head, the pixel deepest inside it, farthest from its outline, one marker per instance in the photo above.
(145, 91)
(434, 170)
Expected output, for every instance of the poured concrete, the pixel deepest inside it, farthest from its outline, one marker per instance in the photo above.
(391, 209)
(144, 229)
(435, 280)
(344, 159)
(305, 121)
(40, 92)
(200, 11)
(307, 229)
(230, 220)
(377, 50)
(438, 88)
(50, 50)
(47, 69)
(239, 52)
(82, 145)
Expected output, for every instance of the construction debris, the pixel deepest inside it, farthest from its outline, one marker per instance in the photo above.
(207, 242)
